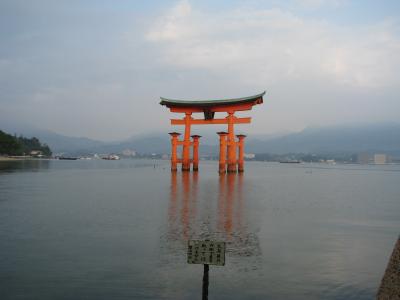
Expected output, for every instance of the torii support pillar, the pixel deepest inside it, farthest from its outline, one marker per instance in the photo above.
(174, 144)
(196, 152)
(241, 152)
(186, 143)
(222, 151)
(231, 143)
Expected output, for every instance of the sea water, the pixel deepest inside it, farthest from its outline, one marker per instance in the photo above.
(94, 229)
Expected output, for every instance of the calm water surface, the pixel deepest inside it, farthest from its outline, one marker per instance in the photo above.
(119, 229)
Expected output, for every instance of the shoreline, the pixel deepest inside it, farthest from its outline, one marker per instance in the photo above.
(17, 158)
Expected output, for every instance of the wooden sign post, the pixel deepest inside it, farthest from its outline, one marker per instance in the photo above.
(206, 253)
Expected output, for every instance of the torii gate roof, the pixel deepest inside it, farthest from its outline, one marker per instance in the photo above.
(209, 104)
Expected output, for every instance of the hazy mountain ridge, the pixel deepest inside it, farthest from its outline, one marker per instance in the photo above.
(344, 139)
(324, 140)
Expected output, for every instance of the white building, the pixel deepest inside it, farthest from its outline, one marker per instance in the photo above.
(380, 159)
(129, 152)
(249, 155)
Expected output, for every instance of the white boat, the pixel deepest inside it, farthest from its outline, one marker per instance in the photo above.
(111, 157)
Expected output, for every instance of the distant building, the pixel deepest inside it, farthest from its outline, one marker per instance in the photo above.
(249, 155)
(363, 158)
(129, 152)
(380, 159)
(36, 153)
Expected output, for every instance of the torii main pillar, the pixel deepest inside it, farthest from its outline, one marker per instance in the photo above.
(241, 152)
(229, 146)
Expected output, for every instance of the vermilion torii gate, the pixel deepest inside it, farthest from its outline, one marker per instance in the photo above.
(228, 144)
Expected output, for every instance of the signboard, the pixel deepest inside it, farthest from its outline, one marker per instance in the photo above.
(206, 252)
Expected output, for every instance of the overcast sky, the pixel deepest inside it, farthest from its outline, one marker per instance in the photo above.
(97, 68)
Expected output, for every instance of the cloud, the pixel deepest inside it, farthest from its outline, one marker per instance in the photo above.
(172, 23)
(85, 69)
(272, 44)
(315, 4)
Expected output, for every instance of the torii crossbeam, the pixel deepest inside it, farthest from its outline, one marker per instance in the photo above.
(228, 144)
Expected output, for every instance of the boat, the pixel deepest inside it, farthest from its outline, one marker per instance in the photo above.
(289, 161)
(111, 157)
(67, 158)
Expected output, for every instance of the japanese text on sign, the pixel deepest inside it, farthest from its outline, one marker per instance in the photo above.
(206, 252)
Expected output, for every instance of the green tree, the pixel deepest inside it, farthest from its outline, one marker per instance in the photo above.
(12, 145)
(9, 145)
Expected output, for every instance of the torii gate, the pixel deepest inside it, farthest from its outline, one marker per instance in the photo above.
(228, 144)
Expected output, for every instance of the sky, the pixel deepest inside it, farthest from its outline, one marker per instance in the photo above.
(97, 68)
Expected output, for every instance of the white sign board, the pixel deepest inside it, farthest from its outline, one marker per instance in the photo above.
(206, 252)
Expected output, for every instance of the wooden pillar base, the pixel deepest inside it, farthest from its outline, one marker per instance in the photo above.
(232, 168)
(241, 153)
(204, 294)
(196, 152)
(174, 143)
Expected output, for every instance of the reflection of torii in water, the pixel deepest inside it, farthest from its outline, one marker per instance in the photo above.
(228, 144)
(182, 204)
(230, 225)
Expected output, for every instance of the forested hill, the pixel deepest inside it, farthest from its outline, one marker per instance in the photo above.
(13, 145)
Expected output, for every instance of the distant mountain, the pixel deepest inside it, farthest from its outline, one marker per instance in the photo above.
(340, 139)
(66, 144)
(152, 143)
(70, 145)
(58, 143)
(373, 138)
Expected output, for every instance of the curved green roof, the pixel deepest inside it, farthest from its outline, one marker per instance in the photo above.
(209, 103)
